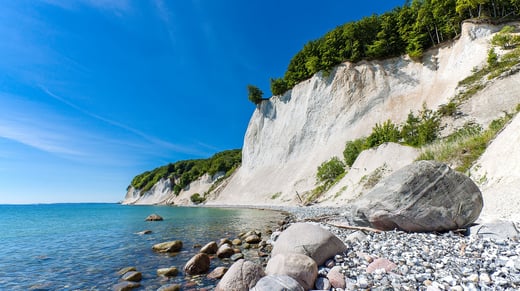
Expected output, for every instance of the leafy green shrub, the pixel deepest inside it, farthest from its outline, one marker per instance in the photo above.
(422, 129)
(328, 171)
(449, 109)
(505, 38)
(352, 150)
(464, 147)
(197, 199)
(492, 57)
(381, 133)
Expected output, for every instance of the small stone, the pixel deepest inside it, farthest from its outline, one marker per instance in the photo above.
(218, 273)
(362, 282)
(154, 217)
(357, 236)
(237, 242)
(126, 286)
(210, 248)
(381, 263)
(144, 232)
(126, 270)
(168, 247)
(262, 254)
(133, 276)
(322, 284)
(473, 278)
(170, 287)
(225, 251)
(252, 239)
(484, 278)
(224, 241)
(456, 288)
(330, 263)
(246, 246)
(168, 272)
(237, 257)
(198, 264)
(422, 277)
(336, 277)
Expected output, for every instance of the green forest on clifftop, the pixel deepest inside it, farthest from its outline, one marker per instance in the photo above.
(182, 173)
(410, 29)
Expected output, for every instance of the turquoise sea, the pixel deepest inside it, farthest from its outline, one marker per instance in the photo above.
(82, 246)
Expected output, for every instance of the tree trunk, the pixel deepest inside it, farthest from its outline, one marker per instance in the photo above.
(437, 34)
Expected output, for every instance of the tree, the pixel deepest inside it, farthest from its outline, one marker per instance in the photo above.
(255, 94)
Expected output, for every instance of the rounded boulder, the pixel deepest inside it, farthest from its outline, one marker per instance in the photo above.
(198, 264)
(241, 276)
(424, 196)
(309, 239)
(297, 266)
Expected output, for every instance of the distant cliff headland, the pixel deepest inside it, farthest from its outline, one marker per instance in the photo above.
(365, 100)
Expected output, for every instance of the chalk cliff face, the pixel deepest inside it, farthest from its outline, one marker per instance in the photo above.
(289, 136)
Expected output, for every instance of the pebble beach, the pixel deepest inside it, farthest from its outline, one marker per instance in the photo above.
(396, 260)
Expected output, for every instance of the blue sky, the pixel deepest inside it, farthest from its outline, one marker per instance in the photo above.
(94, 92)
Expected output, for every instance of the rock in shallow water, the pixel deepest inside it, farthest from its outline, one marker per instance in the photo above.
(225, 251)
(154, 217)
(168, 272)
(210, 248)
(168, 247)
(218, 273)
(198, 264)
(170, 287)
(133, 276)
(422, 197)
(126, 286)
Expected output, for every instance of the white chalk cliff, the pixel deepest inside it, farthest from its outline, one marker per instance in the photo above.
(289, 136)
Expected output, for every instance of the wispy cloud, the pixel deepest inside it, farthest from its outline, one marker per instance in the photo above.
(118, 7)
(37, 129)
(148, 138)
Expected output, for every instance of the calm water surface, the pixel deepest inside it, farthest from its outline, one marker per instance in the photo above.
(82, 246)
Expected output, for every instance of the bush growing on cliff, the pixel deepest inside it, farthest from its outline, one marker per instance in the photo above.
(422, 129)
(352, 150)
(197, 199)
(254, 94)
(381, 133)
(330, 170)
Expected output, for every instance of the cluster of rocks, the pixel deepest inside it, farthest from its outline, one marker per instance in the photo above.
(406, 234)
(392, 260)
(226, 250)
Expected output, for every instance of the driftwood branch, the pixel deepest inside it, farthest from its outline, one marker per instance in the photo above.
(346, 226)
